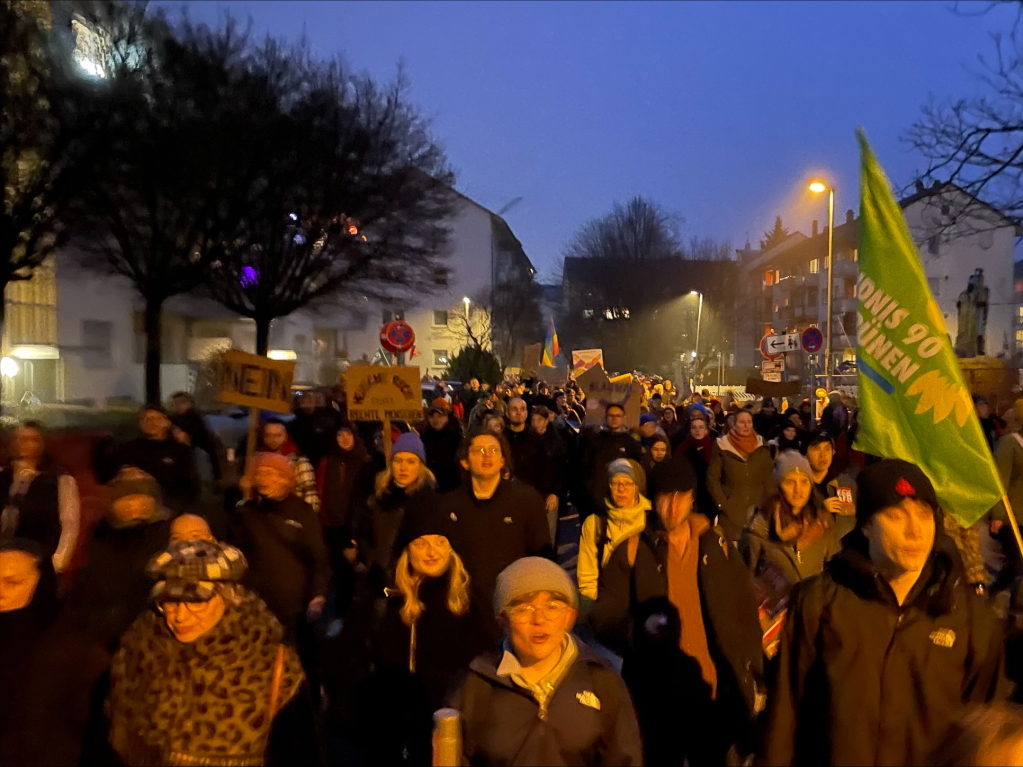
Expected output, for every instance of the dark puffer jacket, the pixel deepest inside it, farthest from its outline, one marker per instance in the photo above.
(863, 680)
(501, 722)
(739, 484)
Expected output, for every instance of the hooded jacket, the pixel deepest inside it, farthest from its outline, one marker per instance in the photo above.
(589, 720)
(739, 484)
(863, 680)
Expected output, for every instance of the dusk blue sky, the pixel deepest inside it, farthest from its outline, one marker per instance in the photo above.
(720, 111)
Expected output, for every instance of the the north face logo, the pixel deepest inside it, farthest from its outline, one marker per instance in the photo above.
(943, 637)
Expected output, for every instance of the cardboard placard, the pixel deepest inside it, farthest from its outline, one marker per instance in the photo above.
(379, 393)
(601, 392)
(255, 381)
(531, 359)
(763, 388)
(585, 359)
(553, 375)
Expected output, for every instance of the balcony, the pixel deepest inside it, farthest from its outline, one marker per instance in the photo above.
(845, 269)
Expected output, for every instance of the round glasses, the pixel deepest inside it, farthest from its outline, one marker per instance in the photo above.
(549, 612)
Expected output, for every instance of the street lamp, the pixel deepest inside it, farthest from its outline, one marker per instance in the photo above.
(699, 315)
(466, 301)
(817, 187)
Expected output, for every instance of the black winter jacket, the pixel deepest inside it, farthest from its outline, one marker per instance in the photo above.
(377, 531)
(288, 560)
(442, 454)
(170, 463)
(863, 680)
(113, 588)
(599, 449)
(501, 722)
(555, 463)
(492, 533)
(528, 460)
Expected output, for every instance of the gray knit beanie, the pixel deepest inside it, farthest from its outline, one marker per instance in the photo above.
(789, 461)
(530, 574)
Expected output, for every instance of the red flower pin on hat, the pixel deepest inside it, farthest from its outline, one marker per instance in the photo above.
(902, 487)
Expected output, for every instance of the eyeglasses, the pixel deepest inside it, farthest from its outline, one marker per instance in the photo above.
(190, 607)
(485, 451)
(549, 612)
(623, 485)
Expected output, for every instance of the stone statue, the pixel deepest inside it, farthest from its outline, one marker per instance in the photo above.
(972, 322)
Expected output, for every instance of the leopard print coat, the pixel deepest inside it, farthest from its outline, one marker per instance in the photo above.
(201, 703)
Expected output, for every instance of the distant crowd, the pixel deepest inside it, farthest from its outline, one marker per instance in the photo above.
(719, 581)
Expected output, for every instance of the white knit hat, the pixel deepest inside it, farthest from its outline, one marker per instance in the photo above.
(530, 574)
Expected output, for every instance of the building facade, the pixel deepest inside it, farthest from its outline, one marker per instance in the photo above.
(786, 286)
(75, 336)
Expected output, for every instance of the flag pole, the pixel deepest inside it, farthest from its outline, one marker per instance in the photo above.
(1012, 521)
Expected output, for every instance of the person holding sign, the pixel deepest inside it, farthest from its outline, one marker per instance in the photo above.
(883, 652)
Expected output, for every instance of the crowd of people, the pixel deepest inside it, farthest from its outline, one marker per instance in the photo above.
(745, 586)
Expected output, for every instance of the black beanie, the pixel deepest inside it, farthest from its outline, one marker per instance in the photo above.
(674, 475)
(887, 483)
(425, 518)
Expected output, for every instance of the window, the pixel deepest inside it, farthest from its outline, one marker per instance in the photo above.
(97, 343)
(935, 285)
(440, 276)
(440, 357)
(587, 314)
(440, 318)
(855, 254)
(1019, 313)
(934, 245)
(1019, 286)
(91, 49)
(1019, 337)
(769, 277)
(815, 265)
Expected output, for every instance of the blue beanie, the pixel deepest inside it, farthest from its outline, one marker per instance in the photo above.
(409, 442)
(647, 418)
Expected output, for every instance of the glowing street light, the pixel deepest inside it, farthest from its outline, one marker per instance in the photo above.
(466, 301)
(699, 316)
(818, 187)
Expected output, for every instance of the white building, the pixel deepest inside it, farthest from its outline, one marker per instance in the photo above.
(75, 336)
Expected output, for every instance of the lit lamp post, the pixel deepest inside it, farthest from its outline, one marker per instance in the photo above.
(699, 315)
(817, 187)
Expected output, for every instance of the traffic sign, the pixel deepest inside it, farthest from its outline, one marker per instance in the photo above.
(772, 377)
(766, 351)
(812, 340)
(781, 344)
(773, 366)
(397, 337)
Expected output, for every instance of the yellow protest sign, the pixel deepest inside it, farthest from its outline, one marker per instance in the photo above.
(255, 381)
(380, 393)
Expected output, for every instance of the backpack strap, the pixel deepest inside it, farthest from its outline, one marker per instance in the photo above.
(601, 531)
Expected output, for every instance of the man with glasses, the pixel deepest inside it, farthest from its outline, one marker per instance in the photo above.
(600, 448)
(545, 697)
(497, 520)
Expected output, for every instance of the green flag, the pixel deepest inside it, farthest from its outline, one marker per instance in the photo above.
(913, 402)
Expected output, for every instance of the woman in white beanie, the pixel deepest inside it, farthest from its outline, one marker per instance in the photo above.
(624, 516)
(788, 540)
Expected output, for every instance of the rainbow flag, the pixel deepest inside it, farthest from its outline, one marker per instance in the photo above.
(550, 346)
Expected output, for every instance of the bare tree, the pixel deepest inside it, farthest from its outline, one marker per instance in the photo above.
(638, 229)
(472, 325)
(170, 162)
(352, 200)
(976, 143)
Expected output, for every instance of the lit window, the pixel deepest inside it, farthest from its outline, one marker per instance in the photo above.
(440, 357)
(856, 254)
(91, 49)
(1019, 313)
(815, 265)
(777, 275)
(1019, 286)
(1019, 337)
(769, 277)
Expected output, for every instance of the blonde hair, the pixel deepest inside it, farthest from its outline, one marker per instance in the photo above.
(424, 480)
(408, 583)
